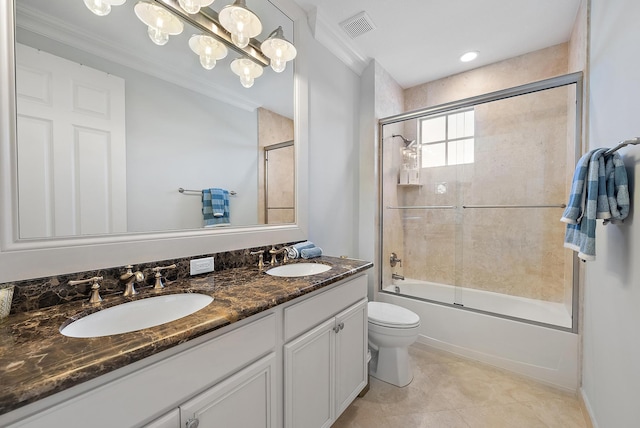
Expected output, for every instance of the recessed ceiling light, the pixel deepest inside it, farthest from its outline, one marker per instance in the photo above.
(469, 56)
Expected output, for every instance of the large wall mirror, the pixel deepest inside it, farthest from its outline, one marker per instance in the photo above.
(112, 138)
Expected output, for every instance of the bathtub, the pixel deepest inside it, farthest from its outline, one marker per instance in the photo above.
(552, 313)
(548, 355)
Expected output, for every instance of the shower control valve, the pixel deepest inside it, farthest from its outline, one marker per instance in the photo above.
(394, 260)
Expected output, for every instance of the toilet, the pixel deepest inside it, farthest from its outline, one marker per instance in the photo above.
(392, 329)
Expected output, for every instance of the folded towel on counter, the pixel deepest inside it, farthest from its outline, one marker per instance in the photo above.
(310, 253)
(215, 207)
(294, 251)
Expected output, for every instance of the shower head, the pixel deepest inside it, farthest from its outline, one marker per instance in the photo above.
(407, 143)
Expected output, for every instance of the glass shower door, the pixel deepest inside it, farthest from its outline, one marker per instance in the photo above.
(478, 227)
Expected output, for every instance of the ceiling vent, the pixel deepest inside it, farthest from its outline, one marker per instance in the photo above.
(357, 25)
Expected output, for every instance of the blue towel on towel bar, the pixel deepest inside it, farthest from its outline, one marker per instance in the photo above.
(617, 188)
(599, 191)
(215, 207)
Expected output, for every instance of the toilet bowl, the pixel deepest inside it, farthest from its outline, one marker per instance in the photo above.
(392, 329)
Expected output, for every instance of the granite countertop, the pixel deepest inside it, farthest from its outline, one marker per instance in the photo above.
(36, 360)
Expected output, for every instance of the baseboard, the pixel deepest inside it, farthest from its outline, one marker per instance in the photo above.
(587, 411)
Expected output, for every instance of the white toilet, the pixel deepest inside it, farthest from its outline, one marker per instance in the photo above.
(392, 329)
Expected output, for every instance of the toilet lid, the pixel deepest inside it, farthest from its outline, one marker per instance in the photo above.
(388, 315)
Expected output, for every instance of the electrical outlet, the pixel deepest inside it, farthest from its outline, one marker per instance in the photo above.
(203, 265)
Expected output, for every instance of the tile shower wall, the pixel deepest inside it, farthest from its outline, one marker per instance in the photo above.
(273, 129)
(511, 251)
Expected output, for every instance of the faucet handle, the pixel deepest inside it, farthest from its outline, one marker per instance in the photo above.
(159, 284)
(95, 298)
(393, 260)
(260, 260)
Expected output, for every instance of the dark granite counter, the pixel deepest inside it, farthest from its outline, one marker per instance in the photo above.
(36, 360)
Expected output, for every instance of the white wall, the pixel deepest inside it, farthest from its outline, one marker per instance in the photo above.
(611, 355)
(333, 153)
(177, 138)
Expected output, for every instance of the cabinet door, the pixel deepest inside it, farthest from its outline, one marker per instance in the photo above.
(351, 354)
(245, 400)
(309, 373)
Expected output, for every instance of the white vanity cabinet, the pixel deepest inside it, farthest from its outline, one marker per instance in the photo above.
(309, 352)
(246, 399)
(325, 366)
(160, 387)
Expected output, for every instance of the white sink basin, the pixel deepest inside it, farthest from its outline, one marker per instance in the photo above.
(298, 269)
(137, 315)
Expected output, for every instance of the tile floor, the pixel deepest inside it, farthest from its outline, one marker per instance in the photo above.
(452, 392)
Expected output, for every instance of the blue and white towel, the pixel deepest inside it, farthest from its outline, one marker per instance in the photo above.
(617, 188)
(310, 253)
(595, 194)
(215, 207)
(294, 251)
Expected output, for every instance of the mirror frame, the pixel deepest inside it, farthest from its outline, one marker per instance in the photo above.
(34, 258)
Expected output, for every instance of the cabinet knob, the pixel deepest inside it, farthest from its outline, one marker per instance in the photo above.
(339, 327)
(192, 423)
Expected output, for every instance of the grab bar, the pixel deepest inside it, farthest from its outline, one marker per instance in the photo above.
(424, 207)
(516, 206)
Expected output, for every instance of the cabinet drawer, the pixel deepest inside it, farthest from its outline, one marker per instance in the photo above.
(302, 316)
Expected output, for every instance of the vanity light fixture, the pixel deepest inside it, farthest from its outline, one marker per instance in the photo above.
(469, 56)
(161, 23)
(102, 7)
(278, 49)
(193, 6)
(208, 49)
(233, 28)
(242, 23)
(247, 70)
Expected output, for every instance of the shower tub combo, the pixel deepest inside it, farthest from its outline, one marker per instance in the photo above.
(482, 206)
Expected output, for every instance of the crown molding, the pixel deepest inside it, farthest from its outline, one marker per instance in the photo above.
(32, 20)
(337, 42)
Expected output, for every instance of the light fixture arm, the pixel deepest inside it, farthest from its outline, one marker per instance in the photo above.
(207, 21)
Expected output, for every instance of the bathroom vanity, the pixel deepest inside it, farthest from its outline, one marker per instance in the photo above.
(267, 352)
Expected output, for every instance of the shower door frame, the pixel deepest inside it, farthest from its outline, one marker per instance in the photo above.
(541, 85)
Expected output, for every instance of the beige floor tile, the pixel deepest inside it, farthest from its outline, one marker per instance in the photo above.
(507, 416)
(450, 392)
(448, 419)
(559, 413)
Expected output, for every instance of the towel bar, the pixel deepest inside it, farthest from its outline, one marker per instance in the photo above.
(424, 207)
(622, 144)
(181, 190)
(516, 206)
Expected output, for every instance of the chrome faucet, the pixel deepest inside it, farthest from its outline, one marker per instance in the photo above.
(95, 295)
(129, 277)
(274, 252)
(396, 276)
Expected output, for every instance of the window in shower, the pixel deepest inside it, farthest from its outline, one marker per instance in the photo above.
(481, 231)
(447, 139)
